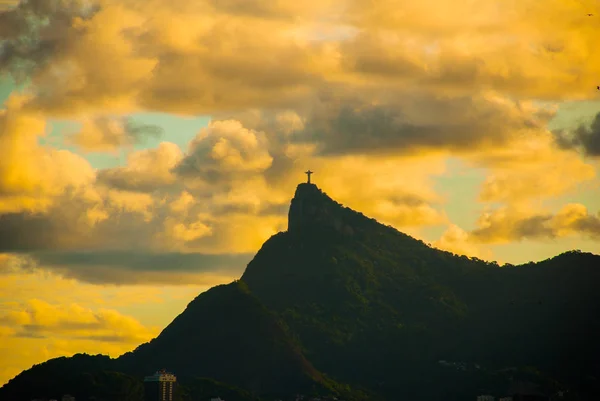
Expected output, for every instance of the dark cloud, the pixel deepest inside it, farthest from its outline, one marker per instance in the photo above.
(25, 232)
(64, 228)
(131, 267)
(28, 334)
(589, 225)
(139, 132)
(584, 137)
(36, 30)
(125, 180)
(411, 200)
(144, 261)
(413, 121)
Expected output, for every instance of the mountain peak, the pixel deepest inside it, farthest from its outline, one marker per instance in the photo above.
(312, 208)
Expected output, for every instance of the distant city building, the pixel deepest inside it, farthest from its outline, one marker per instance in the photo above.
(160, 386)
(68, 397)
(505, 399)
(485, 398)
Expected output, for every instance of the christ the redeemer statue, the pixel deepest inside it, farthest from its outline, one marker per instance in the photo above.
(308, 173)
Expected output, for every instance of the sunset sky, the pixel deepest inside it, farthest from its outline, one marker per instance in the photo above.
(149, 147)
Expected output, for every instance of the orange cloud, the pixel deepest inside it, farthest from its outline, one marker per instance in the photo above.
(532, 168)
(36, 330)
(225, 150)
(511, 224)
(31, 174)
(459, 241)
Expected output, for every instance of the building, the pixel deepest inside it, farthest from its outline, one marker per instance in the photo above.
(160, 386)
(485, 398)
(505, 399)
(68, 397)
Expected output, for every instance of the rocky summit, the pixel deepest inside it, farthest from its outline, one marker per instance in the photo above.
(340, 305)
(311, 208)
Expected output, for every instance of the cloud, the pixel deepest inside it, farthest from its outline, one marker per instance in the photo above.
(107, 134)
(34, 31)
(206, 63)
(274, 9)
(459, 241)
(75, 53)
(139, 58)
(134, 268)
(23, 279)
(14, 263)
(586, 138)
(33, 331)
(31, 174)
(38, 319)
(375, 122)
(146, 170)
(530, 168)
(225, 151)
(509, 224)
(462, 46)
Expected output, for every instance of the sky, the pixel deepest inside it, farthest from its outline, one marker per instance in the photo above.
(149, 148)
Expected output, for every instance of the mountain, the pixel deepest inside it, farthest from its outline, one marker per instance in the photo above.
(340, 300)
(227, 334)
(370, 305)
(81, 375)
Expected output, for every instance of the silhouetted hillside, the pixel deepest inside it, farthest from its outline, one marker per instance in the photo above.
(340, 298)
(375, 307)
(227, 334)
(82, 376)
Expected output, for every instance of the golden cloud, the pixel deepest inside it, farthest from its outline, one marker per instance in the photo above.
(146, 170)
(459, 241)
(508, 224)
(39, 319)
(36, 330)
(225, 150)
(127, 55)
(532, 168)
(31, 174)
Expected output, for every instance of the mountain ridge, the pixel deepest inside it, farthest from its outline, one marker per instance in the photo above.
(340, 298)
